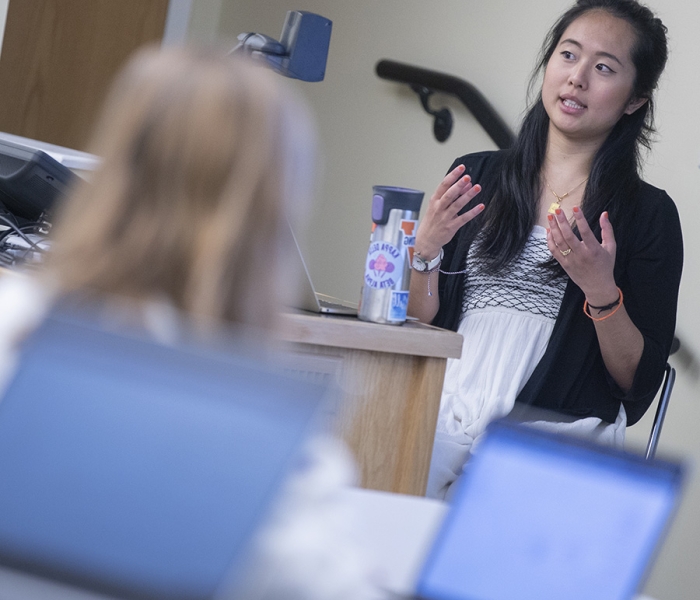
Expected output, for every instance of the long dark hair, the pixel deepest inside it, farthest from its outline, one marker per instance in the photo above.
(614, 177)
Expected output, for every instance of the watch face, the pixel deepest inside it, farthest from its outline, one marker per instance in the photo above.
(418, 264)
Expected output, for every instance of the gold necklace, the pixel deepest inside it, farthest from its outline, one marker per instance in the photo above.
(556, 205)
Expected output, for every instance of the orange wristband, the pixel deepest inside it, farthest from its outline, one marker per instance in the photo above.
(586, 310)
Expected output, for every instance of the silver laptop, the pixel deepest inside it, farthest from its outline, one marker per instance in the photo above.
(131, 469)
(543, 517)
(310, 299)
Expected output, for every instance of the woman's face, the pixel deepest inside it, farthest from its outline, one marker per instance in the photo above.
(590, 76)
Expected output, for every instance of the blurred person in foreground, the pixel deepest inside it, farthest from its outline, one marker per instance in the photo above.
(203, 159)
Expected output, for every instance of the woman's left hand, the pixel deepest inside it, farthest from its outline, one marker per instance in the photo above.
(588, 262)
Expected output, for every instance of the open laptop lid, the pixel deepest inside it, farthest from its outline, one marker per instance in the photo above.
(140, 470)
(542, 517)
(309, 298)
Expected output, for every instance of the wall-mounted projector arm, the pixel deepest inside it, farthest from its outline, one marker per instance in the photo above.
(259, 42)
(301, 52)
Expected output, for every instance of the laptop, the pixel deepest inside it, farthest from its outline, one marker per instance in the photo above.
(545, 517)
(310, 299)
(132, 469)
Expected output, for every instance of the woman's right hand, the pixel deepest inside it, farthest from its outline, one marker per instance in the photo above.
(442, 219)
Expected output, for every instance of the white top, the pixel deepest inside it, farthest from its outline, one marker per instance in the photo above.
(507, 321)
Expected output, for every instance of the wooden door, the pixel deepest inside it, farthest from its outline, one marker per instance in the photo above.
(59, 57)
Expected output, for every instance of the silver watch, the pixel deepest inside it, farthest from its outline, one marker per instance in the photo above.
(419, 264)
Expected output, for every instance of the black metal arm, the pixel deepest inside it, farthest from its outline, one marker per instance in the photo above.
(472, 98)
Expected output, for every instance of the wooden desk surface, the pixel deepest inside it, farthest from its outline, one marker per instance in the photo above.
(413, 338)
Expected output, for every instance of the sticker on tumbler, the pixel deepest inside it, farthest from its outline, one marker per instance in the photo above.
(398, 306)
(384, 266)
(409, 236)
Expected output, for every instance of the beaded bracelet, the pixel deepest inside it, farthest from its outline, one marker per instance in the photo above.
(617, 304)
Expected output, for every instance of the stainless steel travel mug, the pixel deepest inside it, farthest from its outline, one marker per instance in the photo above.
(388, 266)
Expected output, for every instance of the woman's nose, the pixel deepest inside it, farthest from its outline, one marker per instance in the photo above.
(577, 77)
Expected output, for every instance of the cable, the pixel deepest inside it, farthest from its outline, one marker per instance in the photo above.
(19, 232)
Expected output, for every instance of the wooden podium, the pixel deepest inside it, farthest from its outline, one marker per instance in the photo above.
(391, 379)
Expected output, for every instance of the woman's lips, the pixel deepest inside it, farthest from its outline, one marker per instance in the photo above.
(570, 106)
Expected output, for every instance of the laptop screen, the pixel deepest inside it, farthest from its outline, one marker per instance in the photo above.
(138, 469)
(543, 517)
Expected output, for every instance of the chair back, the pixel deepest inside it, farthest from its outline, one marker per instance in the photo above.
(664, 399)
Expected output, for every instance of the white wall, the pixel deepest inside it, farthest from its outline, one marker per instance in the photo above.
(374, 132)
(204, 20)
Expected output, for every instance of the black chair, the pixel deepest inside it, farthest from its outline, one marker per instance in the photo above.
(666, 389)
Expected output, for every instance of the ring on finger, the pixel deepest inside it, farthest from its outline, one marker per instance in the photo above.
(565, 252)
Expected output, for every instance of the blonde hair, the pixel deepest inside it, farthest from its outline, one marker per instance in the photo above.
(202, 154)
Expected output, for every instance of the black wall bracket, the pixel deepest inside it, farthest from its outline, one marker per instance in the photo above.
(442, 118)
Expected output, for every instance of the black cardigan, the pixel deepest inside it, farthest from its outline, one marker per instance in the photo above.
(571, 377)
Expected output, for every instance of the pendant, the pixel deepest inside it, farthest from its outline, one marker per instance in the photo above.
(553, 207)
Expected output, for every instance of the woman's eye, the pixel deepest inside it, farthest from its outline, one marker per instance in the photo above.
(567, 55)
(604, 68)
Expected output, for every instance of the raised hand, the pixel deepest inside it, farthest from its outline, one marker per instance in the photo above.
(442, 219)
(588, 262)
